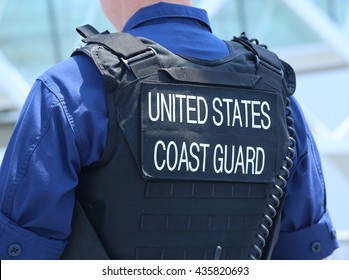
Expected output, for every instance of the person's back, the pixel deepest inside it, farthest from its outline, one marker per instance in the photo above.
(82, 107)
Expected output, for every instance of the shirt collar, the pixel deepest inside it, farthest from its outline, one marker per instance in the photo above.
(163, 10)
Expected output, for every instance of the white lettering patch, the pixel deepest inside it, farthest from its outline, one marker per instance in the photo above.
(208, 133)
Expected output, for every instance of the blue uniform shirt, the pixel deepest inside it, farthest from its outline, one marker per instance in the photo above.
(63, 126)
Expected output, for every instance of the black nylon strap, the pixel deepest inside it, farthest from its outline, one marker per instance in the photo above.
(146, 66)
(87, 31)
(122, 44)
(135, 55)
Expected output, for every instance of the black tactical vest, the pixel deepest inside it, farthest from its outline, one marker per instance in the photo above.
(198, 152)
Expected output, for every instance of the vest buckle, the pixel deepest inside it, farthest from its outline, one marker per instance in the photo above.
(149, 52)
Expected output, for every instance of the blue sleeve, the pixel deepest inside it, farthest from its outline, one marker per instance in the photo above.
(306, 228)
(53, 139)
(32, 189)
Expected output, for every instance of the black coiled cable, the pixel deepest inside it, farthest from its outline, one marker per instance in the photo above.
(281, 180)
(279, 187)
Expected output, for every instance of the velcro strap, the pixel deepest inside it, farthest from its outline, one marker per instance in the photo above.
(87, 31)
(122, 44)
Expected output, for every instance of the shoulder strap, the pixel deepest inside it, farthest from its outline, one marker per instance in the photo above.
(89, 31)
(137, 57)
(268, 63)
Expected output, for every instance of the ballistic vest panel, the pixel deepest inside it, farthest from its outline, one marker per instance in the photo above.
(198, 152)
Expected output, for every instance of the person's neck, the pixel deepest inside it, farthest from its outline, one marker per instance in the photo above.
(129, 8)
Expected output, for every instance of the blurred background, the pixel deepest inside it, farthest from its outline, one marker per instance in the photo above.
(311, 35)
